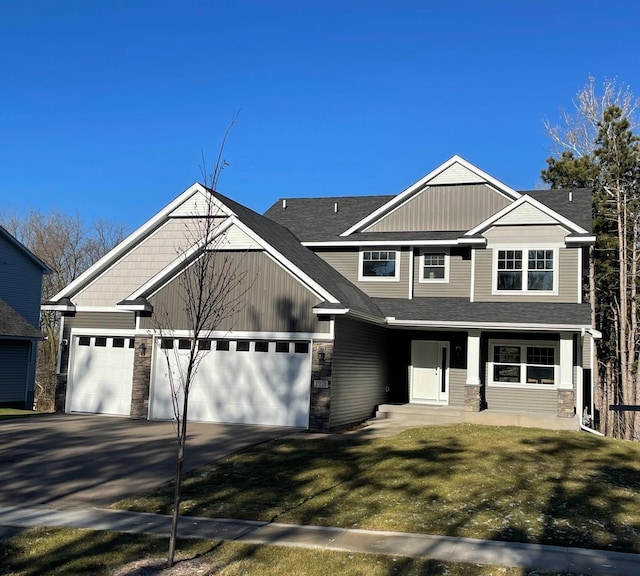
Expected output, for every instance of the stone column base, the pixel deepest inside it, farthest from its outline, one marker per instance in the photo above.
(566, 404)
(141, 380)
(321, 367)
(472, 398)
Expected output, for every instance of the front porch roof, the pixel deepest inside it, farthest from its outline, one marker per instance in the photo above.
(449, 312)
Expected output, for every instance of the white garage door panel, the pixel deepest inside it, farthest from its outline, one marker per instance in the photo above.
(267, 388)
(101, 378)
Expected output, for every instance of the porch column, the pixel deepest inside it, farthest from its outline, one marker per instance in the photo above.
(321, 368)
(472, 392)
(566, 392)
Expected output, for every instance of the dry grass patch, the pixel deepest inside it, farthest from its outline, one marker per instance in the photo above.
(498, 483)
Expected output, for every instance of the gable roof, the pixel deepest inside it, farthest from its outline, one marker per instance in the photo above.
(24, 250)
(14, 325)
(455, 170)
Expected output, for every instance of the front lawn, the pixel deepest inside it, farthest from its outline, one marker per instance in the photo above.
(502, 483)
(6, 413)
(63, 552)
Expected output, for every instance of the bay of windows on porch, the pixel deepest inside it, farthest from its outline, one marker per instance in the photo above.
(520, 366)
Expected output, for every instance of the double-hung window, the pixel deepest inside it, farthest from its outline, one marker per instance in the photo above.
(379, 265)
(526, 270)
(435, 267)
(526, 364)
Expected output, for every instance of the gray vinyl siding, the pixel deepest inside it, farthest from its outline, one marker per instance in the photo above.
(347, 262)
(269, 300)
(20, 282)
(522, 400)
(16, 369)
(459, 207)
(567, 270)
(459, 284)
(138, 265)
(359, 373)
(457, 381)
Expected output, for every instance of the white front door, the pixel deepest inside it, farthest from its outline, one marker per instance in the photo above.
(429, 372)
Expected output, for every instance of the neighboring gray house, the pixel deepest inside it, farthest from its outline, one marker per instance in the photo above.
(457, 292)
(20, 292)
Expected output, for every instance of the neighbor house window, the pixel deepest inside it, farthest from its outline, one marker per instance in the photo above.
(435, 267)
(525, 270)
(378, 265)
(523, 364)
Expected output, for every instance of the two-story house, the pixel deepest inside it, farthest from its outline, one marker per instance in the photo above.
(458, 292)
(20, 292)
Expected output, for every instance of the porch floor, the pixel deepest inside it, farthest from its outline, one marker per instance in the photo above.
(426, 415)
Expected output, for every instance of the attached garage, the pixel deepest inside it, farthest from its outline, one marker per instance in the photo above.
(101, 376)
(238, 381)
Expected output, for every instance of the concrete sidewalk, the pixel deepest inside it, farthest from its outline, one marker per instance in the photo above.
(531, 556)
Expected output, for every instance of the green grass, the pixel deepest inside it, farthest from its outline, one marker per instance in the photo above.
(6, 413)
(64, 552)
(501, 483)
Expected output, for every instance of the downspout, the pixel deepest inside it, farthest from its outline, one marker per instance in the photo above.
(581, 393)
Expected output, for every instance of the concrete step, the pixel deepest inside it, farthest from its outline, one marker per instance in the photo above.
(420, 413)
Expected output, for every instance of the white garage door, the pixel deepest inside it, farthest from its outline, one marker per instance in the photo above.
(101, 375)
(243, 382)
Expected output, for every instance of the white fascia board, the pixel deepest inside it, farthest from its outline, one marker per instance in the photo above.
(391, 321)
(134, 307)
(169, 271)
(424, 181)
(351, 243)
(131, 240)
(287, 264)
(100, 309)
(322, 311)
(58, 307)
(581, 240)
(533, 202)
(238, 334)
(595, 334)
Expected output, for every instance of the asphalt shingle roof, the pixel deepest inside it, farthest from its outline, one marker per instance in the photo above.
(462, 310)
(13, 324)
(578, 209)
(286, 243)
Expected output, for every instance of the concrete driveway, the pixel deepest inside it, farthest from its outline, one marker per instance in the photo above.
(79, 461)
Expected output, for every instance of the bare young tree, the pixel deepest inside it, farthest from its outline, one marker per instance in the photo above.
(212, 290)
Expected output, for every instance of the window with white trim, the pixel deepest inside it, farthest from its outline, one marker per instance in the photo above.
(527, 364)
(379, 265)
(525, 270)
(434, 267)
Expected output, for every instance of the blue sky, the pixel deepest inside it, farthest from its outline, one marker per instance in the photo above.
(106, 107)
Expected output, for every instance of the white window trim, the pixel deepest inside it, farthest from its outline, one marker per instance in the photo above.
(363, 278)
(523, 364)
(525, 260)
(444, 280)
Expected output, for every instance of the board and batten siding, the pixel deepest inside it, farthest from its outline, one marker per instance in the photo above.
(459, 282)
(347, 262)
(139, 264)
(359, 372)
(567, 270)
(268, 299)
(442, 208)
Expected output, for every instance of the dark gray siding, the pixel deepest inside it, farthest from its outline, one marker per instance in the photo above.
(441, 208)
(269, 300)
(20, 282)
(359, 373)
(347, 262)
(15, 368)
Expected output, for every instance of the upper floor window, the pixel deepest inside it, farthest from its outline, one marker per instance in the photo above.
(379, 265)
(435, 267)
(525, 270)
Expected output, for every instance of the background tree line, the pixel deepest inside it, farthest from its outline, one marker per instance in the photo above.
(68, 245)
(598, 149)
